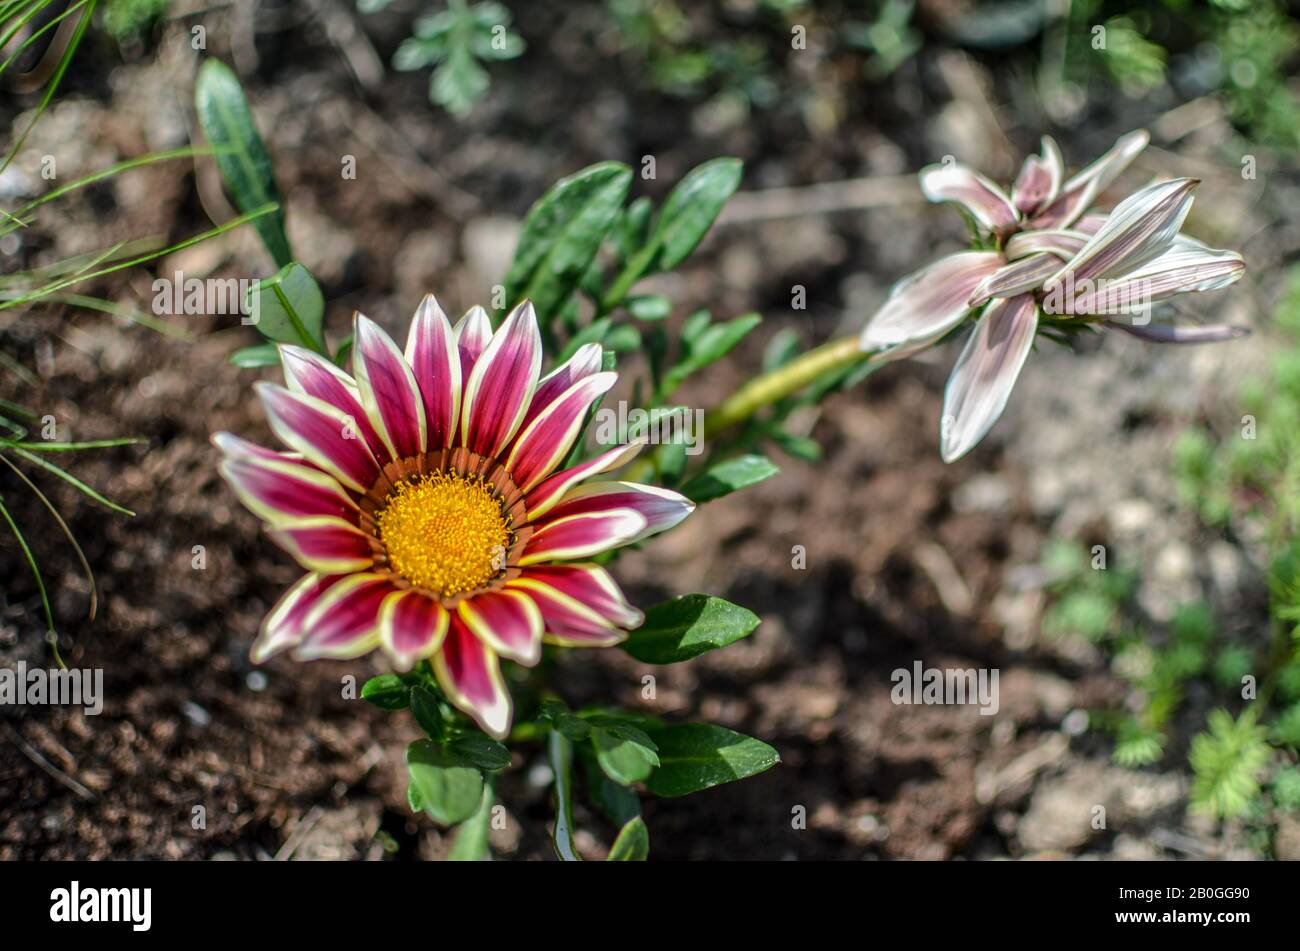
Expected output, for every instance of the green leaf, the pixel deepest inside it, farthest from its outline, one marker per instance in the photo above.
(727, 477)
(387, 691)
(625, 753)
(573, 727)
(424, 706)
(623, 339)
(258, 355)
(695, 756)
(688, 626)
(241, 156)
(632, 844)
(690, 210)
(617, 803)
(633, 228)
(447, 788)
(484, 752)
(649, 307)
(707, 344)
(562, 233)
(289, 307)
(471, 841)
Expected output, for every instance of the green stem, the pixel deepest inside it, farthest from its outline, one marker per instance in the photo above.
(560, 752)
(776, 385)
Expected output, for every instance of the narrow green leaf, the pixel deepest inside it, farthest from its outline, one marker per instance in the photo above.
(387, 691)
(706, 344)
(31, 564)
(649, 307)
(484, 752)
(258, 355)
(242, 157)
(690, 210)
(289, 307)
(447, 788)
(562, 233)
(69, 478)
(730, 476)
(688, 626)
(695, 756)
(632, 844)
(425, 709)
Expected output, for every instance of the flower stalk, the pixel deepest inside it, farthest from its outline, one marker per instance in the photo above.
(776, 385)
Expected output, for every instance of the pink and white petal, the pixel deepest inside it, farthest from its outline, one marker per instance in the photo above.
(1090, 224)
(586, 362)
(473, 334)
(508, 622)
(328, 546)
(985, 201)
(434, 358)
(551, 492)
(237, 446)
(1110, 165)
(1018, 277)
(546, 441)
(325, 435)
(1187, 267)
(310, 373)
(1040, 178)
(1079, 192)
(566, 620)
(345, 620)
(1062, 242)
(388, 389)
(1167, 333)
(1140, 228)
(277, 490)
(986, 372)
(470, 675)
(591, 586)
(501, 383)
(283, 627)
(661, 508)
(412, 626)
(582, 535)
(926, 305)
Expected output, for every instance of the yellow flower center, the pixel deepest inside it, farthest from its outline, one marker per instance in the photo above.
(445, 532)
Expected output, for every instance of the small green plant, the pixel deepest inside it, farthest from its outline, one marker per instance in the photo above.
(456, 42)
(1228, 760)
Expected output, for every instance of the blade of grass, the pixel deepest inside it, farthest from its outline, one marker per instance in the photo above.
(52, 87)
(72, 446)
(125, 166)
(31, 563)
(230, 225)
(69, 478)
(67, 533)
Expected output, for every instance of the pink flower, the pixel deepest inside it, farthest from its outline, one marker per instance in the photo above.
(423, 498)
(1040, 259)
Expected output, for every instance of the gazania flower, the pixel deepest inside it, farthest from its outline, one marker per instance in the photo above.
(425, 498)
(1041, 262)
